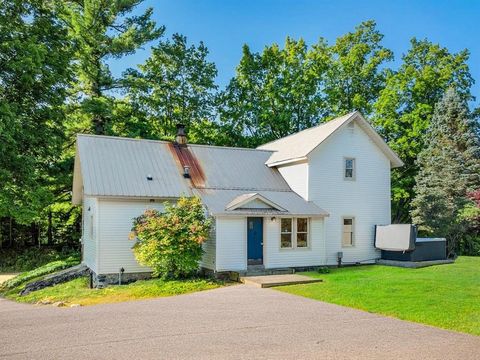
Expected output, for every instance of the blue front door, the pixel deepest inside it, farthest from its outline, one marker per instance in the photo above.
(255, 239)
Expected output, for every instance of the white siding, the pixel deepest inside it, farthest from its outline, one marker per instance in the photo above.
(296, 176)
(89, 242)
(277, 258)
(367, 198)
(209, 248)
(231, 244)
(115, 248)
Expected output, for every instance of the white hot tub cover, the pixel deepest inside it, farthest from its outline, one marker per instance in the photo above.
(395, 237)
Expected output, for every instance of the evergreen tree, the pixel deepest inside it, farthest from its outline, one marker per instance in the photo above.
(102, 30)
(405, 107)
(449, 170)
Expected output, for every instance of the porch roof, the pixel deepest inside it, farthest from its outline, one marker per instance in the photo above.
(288, 203)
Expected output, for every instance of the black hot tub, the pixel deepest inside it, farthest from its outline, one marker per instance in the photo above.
(426, 249)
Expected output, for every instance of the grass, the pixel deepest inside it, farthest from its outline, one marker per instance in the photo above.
(446, 296)
(49, 268)
(77, 291)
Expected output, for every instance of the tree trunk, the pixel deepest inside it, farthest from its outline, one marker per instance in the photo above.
(10, 237)
(34, 233)
(50, 229)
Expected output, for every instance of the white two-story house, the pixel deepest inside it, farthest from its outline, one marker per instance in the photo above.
(300, 201)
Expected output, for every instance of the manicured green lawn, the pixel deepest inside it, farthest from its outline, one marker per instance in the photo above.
(77, 291)
(447, 296)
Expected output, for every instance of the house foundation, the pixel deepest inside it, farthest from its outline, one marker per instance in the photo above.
(102, 280)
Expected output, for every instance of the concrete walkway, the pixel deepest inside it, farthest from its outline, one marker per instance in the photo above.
(236, 322)
(266, 281)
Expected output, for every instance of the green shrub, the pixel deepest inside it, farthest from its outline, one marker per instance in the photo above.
(469, 245)
(170, 243)
(323, 270)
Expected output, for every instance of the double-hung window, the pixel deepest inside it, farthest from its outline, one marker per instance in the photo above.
(349, 170)
(302, 232)
(286, 232)
(294, 233)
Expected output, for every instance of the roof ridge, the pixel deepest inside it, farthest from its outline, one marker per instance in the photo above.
(124, 138)
(350, 114)
(243, 189)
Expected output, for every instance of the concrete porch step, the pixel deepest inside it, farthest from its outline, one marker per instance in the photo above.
(267, 281)
(259, 270)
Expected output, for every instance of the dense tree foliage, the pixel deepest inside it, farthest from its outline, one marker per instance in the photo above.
(55, 81)
(274, 93)
(34, 71)
(175, 85)
(284, 90)
(405, 107)
(449, 170)
(355, 76)
(102, 30)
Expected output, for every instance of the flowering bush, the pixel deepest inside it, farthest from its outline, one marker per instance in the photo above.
(170, 243)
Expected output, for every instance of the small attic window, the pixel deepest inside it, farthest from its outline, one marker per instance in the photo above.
(149, 177)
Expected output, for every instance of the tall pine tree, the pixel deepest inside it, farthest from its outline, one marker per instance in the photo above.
(449, 169)
(102, 30)
(405, 107)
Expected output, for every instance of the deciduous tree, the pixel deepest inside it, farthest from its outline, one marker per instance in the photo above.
(175, 85)
(356, 74)
(274, 93)
(34, 73)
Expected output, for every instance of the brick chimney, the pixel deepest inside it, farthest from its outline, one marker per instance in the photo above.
(181, 138)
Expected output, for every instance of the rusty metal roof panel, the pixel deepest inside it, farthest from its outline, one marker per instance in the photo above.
(113, 166)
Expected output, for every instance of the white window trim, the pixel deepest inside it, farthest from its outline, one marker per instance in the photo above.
(353, 231)
(283, 233)
(354, 170)
(294, 234)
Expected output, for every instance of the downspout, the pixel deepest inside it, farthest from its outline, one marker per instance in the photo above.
(325, 257)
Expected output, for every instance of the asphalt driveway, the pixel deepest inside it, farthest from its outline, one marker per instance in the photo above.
(236, 322)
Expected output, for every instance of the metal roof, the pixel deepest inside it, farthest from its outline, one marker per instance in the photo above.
(124, 167)
(111, 166)
(297, 146)
(237, 168)
(115, 166)
(216, 201)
